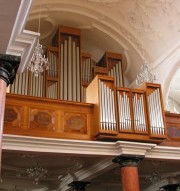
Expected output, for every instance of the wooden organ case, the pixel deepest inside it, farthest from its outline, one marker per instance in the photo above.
(123, 113)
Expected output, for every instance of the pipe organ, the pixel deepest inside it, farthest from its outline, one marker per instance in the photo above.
(122, 111)
(118, 111)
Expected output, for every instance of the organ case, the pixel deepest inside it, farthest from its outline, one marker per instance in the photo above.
(101, 92)
(155, 109)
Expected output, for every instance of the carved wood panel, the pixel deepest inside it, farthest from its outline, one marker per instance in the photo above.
(42, 120)
(76, 123)
(12, 116)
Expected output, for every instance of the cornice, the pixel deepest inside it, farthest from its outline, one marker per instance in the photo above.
(95, 148)
(22, 42)
(164, 152)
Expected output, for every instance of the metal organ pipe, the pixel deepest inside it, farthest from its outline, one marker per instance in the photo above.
(20, 85)
(65, 97)
(116, 72)
(62, 73)
(78, 73)
(124, 111)
(139, 113)
(69, 87)
(155, 110)
(70, 71)
(74, 72)
(107, 109)
(36, 88)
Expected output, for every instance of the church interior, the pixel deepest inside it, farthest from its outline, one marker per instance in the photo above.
(98, 108)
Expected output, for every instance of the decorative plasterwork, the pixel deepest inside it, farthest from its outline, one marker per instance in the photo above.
(22, 42)
(145, 13)
(108, 3)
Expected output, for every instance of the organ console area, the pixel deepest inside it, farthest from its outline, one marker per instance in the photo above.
(79, 99)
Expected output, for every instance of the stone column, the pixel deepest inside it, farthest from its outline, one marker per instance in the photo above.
(171, 187)
(78, 185)
(8, 68)
(129, 171)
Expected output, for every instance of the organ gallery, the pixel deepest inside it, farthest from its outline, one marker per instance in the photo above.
(72, 76)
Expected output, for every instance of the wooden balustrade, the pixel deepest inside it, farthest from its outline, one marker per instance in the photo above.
(25, 115)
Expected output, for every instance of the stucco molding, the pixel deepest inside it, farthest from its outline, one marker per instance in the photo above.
(95, 148)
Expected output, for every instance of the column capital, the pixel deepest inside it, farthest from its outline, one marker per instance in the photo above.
(8, 67)
(127, 160)
(78, 185)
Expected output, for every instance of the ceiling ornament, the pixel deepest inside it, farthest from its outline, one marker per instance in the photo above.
(36, 172)
(38, 63)
(143, 17)
(136, 43)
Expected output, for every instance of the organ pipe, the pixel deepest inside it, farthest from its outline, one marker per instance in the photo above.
(116, 72)
(107, 109)
(139, 113)
(124, 112)
(70, 71)
(155, 111)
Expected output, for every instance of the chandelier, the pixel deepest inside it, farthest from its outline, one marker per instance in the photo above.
(145, 75)
(38, 62)
(36, 172)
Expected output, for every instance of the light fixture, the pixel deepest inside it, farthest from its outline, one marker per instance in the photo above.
(154, 177)
(36, 172)
(145, 75)
(38, 62)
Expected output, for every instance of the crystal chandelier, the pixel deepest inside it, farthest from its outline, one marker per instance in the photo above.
(36, 172)
(38, 62)
(145, 75)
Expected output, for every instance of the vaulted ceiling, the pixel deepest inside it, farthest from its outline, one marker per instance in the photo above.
(144, 31)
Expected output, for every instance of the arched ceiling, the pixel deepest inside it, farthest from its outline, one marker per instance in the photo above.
(143, 30)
